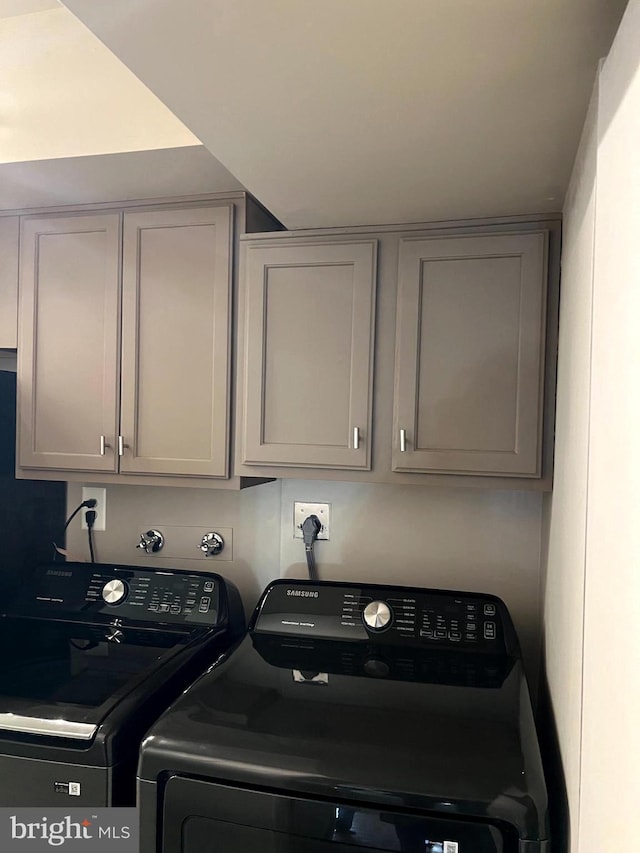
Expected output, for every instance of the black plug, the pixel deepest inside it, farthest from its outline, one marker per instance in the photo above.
(89, 503)
(90, 518)
(311, 527)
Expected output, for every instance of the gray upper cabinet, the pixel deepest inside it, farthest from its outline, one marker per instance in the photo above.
(9, 233)
(176, 302)
(68, 366)
(126, 370)
(308, 353)
(470, 354)
(459, 377)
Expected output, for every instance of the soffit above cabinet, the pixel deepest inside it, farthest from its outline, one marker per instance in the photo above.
(367, 112)
(161, 173)
(78, 127)
(13, 8)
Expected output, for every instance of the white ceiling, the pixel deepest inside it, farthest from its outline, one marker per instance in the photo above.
(362, 111)
(63, 94)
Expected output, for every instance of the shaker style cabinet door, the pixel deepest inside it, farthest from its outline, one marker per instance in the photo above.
(175, 342)
(470, 354)
(308, 354)
(9, 239)
(68, 342)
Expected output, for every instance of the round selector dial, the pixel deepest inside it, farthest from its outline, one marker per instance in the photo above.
(114, 591)
(377, 615)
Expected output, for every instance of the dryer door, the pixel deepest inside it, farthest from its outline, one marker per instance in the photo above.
(203, 817)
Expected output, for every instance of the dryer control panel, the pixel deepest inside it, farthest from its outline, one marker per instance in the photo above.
(385, 615)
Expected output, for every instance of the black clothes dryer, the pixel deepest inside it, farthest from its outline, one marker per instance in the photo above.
(353, 718)
(90, 656)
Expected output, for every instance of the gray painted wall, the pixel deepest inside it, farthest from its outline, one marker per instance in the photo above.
(459, 538)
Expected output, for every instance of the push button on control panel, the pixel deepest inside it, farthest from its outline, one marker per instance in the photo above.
(489, 630)
(205, 603)
(208, 586)
(458, 621)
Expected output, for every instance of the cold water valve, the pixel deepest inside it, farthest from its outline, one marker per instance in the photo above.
(211, 544)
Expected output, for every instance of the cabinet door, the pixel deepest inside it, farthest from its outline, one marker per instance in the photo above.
(469, 354)
(308, 354)
(68, 342)
(9, 230)
(175, 341)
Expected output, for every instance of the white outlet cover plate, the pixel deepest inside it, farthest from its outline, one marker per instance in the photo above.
(100, 494)
(303, 509)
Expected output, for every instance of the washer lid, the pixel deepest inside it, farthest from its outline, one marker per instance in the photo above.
(61, 679)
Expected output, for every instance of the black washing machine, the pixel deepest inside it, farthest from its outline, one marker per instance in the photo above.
(353, 718)
(90, 655)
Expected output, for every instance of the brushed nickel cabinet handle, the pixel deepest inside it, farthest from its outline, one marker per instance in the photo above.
(103, 444)
(403, 441)
(121, 445)
(356, 438)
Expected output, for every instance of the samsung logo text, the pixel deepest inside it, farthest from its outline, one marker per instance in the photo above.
(303, 593)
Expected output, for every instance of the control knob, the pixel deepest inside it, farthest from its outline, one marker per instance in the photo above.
(114, 591)
(377, 615)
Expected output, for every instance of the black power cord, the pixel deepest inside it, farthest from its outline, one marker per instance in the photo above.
(90, 503)
(311, 527)
(90, 518)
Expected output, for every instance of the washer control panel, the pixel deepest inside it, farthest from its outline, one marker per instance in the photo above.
(388, 615)
(125, 593)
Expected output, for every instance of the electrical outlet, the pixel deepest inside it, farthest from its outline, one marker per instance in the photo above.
(100, 508)
(302, 510)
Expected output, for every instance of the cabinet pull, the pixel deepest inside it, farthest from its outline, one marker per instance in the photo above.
(356, 438)
(121, 445)
(103, 444)
(403, 441)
